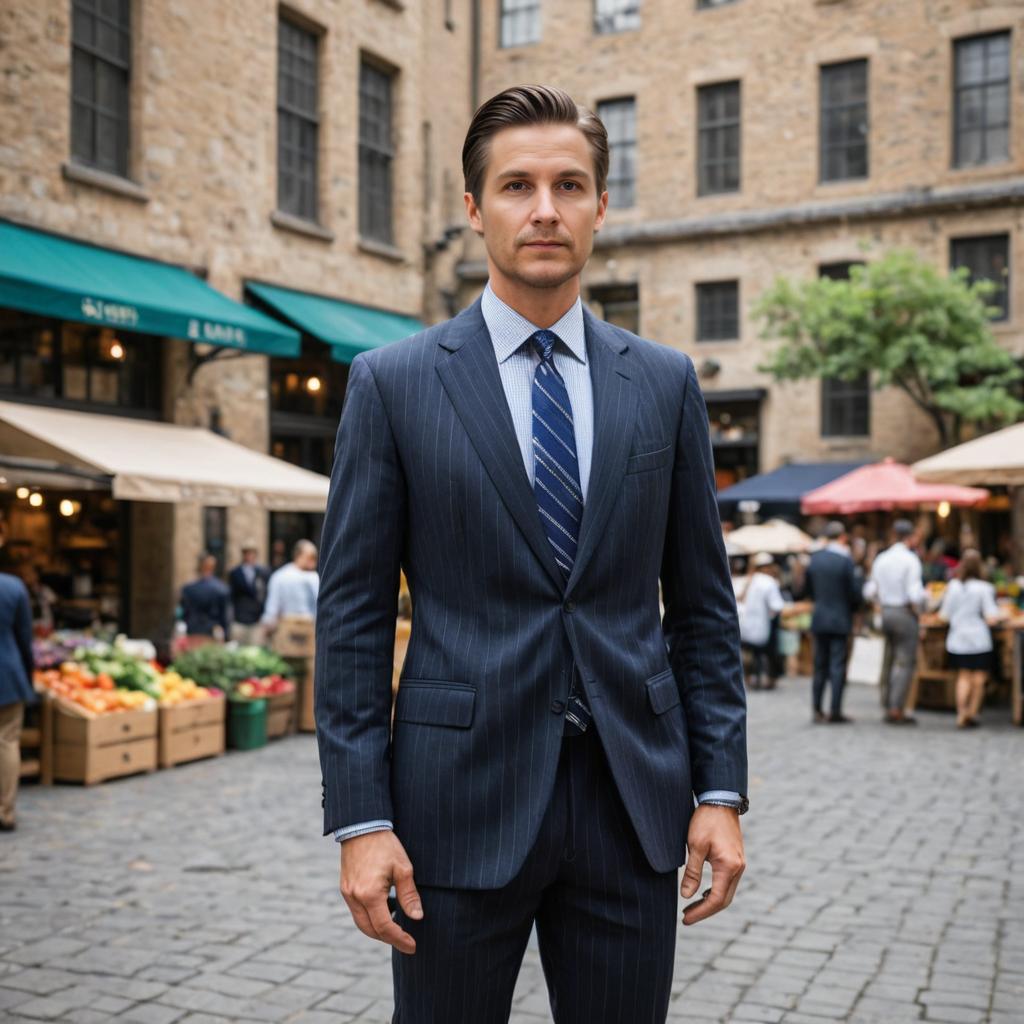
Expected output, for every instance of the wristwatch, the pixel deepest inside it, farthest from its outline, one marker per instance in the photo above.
(741, 808)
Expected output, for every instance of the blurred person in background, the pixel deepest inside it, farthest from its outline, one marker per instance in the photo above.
(759, 601)
(293, 589)
(206, 602)
(15, 688)
(248, 585)
(834, 584)
(897, 587)
(969, 606)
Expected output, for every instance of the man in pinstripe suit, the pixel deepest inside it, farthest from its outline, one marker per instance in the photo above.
(536, 472)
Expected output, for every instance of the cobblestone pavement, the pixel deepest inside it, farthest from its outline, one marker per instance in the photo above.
(885, 884)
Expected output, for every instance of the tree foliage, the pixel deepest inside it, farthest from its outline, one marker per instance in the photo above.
(906, 325)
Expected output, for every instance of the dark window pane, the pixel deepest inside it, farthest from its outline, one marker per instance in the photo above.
(718, 138)
(619, 117)
(844, 121)
(981, 100)
(375, 153)
(846, 407)
(520, 22)
(986, 258)
(298, 129)
(718, 311)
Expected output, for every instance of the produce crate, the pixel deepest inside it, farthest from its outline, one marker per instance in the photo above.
(280, 714)
(295, 637)
(191, 730)
(303, 669)
(36, 745)
(247, 724)
(91, 748)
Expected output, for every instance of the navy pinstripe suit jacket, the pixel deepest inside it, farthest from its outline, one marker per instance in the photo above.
(428, 477)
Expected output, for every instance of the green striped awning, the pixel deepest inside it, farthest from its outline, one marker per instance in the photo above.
(58, 277)
(347, 327)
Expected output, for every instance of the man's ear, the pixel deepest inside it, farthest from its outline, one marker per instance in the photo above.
(602, 211)
(473, 213)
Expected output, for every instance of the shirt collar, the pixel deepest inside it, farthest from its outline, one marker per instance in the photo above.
(509, 329)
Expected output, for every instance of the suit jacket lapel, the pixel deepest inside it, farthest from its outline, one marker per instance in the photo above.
(469, 372)
(615, 400)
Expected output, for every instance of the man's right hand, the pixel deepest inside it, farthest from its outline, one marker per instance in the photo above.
(370, 865)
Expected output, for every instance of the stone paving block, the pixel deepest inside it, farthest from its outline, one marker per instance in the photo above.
(152, 1013)
(45, 1008)
(955, 1014)
(259, 970)
(229, 985)
(86, 1015)
(41, 981)
(35, 954)
(346, 1002)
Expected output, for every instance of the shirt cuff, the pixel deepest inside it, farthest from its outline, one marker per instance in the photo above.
(361, 829)
(721, 796)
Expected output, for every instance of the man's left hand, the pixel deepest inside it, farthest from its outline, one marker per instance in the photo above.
(714, 837)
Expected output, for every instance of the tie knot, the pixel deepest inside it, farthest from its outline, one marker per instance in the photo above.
(544, 343)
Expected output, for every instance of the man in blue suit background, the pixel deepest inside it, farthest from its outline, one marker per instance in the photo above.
(535, 472)
(15, 688)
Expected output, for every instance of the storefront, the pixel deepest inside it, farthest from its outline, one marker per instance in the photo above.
(307, 391)
(735, 422)
(89, 470)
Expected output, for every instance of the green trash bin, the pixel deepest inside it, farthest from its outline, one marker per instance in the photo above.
(247, 723)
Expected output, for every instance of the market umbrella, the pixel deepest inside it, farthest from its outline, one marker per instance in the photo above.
(884, 486)
(993, 459)
(777, 537)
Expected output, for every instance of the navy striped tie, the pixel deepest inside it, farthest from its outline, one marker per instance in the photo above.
(557, 479)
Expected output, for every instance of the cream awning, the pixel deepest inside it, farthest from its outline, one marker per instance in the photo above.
(149, 461)
(993, 459)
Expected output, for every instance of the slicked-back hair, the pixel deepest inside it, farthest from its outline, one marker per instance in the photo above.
(524, 105)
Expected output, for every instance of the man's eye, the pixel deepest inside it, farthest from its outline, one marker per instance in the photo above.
(570, 186)
(516, 186)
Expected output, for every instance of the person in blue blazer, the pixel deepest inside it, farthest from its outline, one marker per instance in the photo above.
(15, 688)
(536, 473)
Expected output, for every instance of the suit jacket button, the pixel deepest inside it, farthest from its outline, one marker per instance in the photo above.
(558, 706)
(569, 606)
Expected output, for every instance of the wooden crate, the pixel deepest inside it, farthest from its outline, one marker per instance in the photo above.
(90, 749)
(192, 730)
(36, 745)
(280, 714)
(295, 637)
(303, 668)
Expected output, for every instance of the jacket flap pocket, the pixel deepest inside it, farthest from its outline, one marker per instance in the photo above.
(435, 703)
(662, 692)
(649, 460)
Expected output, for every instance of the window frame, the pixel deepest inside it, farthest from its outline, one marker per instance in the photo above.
(606, 22)
(525, 10)
(621, 145)
(708, 129)
(710, 325)
(828, 109)
(850, 391)
(959, 131)
(376, 157)
(306, 121)
(1004, 290)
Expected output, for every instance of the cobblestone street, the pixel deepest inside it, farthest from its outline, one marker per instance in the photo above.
(885, 884)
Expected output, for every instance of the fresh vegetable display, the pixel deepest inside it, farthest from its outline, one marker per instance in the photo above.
(123, 665)
(57, 648)
(94, 692)
(176, 690)
(269, 686)
(226, 667)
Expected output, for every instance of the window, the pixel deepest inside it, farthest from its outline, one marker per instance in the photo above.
(619, 117)
(101, 51)
(981, 100)
(619, 304)
(215, 535)
(718, 138)
(705, 4)
(376, 153)
(59, 362)
(845, 404)
(844, 121)
(616, 15)
(718, 311)
(988, 259)
(520, 22)
(298, 120)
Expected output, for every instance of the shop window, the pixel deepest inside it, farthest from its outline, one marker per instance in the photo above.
(298, 120)
(80, 365)
(619, 117)
(718, 311)
(844, 121)
(101, 52)
(616, 15)
(376, 153)
(520, 22)
(981, 100)
(619, 304)
(718, 138)
(987, 258)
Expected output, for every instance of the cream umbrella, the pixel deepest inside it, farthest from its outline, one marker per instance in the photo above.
(777, 537)
(993, 459)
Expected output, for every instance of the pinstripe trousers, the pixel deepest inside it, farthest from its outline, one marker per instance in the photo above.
(606, 921)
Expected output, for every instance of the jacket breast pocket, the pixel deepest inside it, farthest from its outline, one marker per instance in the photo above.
(662, 692)
(435, 702)
(647, 461)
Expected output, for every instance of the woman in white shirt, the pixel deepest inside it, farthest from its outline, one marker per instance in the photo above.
(969, 606)
(759, 600)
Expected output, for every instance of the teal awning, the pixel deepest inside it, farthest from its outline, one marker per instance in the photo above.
(51, 276)
(348, 328)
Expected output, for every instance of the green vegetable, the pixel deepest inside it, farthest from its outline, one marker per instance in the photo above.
(126, 670)
(225, 667)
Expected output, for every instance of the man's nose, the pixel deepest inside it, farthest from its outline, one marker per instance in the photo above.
(544, 210)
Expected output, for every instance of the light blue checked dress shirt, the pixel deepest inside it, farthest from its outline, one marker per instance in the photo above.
(517, 364)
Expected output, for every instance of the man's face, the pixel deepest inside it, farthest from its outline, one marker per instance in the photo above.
(539, 205)
(249, 556)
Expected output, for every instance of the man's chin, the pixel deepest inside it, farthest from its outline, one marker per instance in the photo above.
(546, 273)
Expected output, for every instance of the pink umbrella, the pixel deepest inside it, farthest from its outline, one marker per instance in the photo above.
(881, 487)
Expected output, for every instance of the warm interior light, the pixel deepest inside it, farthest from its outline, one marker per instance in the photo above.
(943, 509)
(313, 385)
(35, 499)
(67, 507)
(116, 350)
(22, 492)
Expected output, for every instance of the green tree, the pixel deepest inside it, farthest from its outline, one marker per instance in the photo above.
(908, 326)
